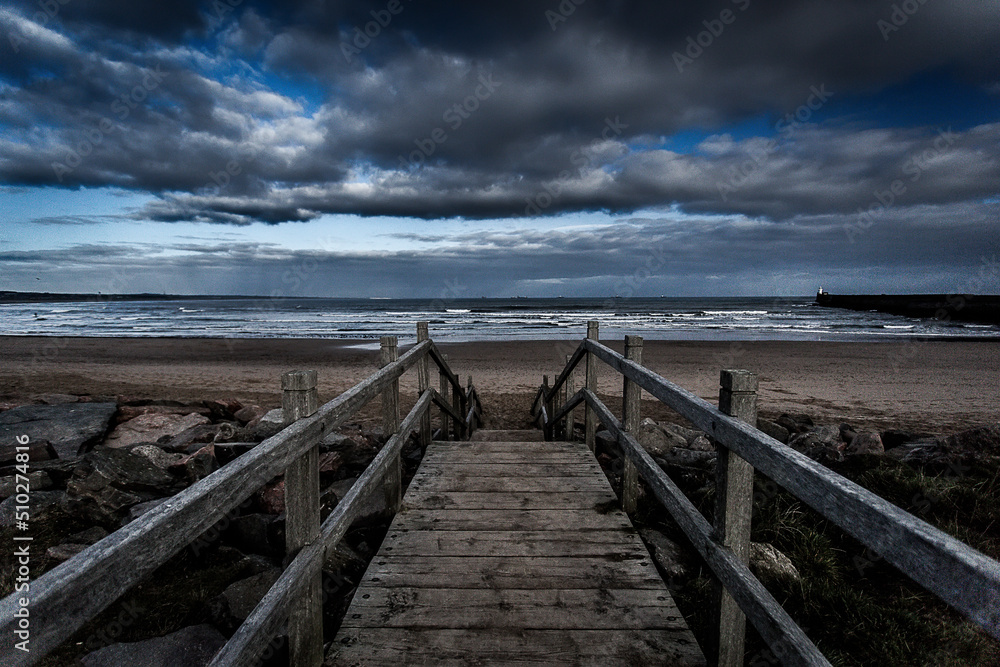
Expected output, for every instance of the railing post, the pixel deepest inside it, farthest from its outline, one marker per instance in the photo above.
(392, 483)
(590, 417)
(474, 422)
(733, 509)
(571, 417)
(631, 393)
(443, 384)
(299, 399)
(459, 400)
(423, 384)
(550, 425)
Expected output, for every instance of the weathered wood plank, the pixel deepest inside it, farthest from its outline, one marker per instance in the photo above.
(545, 609)
(507, 484)
(419, 519)
(67, 596)
(614, 545)
(539, 500)
(514, 469)
(554, 457)
(465, 571)
(598, 648)
(482, 443)
(966, 579)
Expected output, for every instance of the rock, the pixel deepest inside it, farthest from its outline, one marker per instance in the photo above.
(128, 412)
(242, 596)
(249, 413)
(344, 560)
(982, 440)
(773, 429)
(865, 443)
(229, 432)
(193, 646)
(42, 505)
(657, 440)
(57, 399)
(894, 438)
(257, 534)
(667, 554)
(63, 552)
(38, 480)
(109, 481)
(196, 467)
(151, 427)
(92, 535)
(330, 462)
(136, 511)
(270, 424)
(191, 438)
(230, 451)
(155, 455)
(689, 458)
(271, 497)
(701, 443)
(847, 432)
(773, 568)
(71, 428)
(687, 434)
(795, 422)
(224, 409)
(371, 506)
(38, 450)
(822, 444)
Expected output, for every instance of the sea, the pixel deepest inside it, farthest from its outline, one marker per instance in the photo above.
(457, 320)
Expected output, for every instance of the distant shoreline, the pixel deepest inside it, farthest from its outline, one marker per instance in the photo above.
(976, 308)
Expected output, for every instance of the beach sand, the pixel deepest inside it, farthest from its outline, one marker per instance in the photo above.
(933, 387)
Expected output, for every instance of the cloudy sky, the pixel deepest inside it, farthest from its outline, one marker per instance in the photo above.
(418, 148)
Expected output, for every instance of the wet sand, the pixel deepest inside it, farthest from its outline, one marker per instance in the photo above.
(934, 387)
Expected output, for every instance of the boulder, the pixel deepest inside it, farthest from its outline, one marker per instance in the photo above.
(847, 432)
(151, 427)
(71, 428)
(271, 497)
(193, 646)
(242, 596)
(230, 451)
(865, 443)
(57, 399)
(978, 441)
(344, 561)
(687, 434)
(38, 450)
(257, 533)
(249, 413)
(330, 462)
(91, 535)
(136, 511)
(701, 443)
(191, 438)
(371, 506)
(270, 424)
(224, 408)
(38, 480)
(42, 505)
(773, 429)
(689, 458)
(155, 455)
(109, 481)
(657, 440)
(668, 555)
(63, 552)
(893, 438)
(822, 444)
(196, 467)
(795, 422)
(128, 412)
(773, 568)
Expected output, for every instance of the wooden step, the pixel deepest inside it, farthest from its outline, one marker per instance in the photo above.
(530, 435)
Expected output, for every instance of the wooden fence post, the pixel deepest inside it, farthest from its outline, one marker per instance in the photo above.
(631, 393)
(474, 422)
(458, 403)
(299, 399)
(443, 384)
(733, 509)
(590, 417)
(392, 483)
(423, 384)
(571, 417)
(550, 402)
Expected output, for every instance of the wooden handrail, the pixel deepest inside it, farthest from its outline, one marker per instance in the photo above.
(964, 578)
(264, 622)
(571, 365)
(443, 366)
(69, 595)
(773, 623)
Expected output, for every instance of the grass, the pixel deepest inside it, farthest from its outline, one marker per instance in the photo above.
(857, 608)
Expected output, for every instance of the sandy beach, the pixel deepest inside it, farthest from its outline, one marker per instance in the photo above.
(935, 387)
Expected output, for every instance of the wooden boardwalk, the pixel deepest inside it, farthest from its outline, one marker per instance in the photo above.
(512, 553)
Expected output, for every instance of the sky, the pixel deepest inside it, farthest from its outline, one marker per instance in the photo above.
(409, 148)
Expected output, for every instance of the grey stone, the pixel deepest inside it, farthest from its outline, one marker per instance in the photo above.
(151, 427)
(369, 506)
(667, 553)
(63, 552)
(242, 596)
(822, 443)
(109, 481)
(657, 440)
(92, 535)
(795, 422)
(256, 533)
(193, 646)
(701, 443)
(773, 568)
(38, 480)
(41, 506)
(865, 443)
(71, 428)
(157, 456)
(136, 511)
(773, 429)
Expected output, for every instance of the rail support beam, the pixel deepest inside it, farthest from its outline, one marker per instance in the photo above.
(590, 417)
(390, 425)
(631, 393)
(423, 384)
(733, 509)
(305, 623)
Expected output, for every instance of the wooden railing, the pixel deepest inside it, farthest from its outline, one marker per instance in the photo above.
(64, 599)
(964, 578)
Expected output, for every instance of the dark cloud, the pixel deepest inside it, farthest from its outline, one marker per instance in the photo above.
(279, 112)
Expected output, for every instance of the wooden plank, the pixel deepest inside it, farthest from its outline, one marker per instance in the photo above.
(966, 579)
(451, 608)
(476, 500)
(614, 545)
(514, 647)
(72, 593)
(631, 393)
(507, 484)
(460, 457)
(479, 444)
(513, 469)
(511, 572)
(417, 519)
